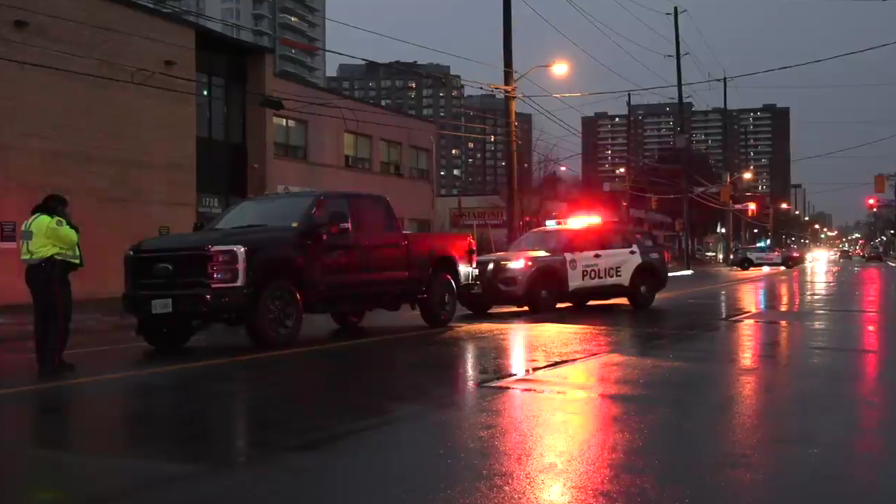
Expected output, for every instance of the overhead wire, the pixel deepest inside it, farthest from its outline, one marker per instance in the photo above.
(845, 149)
(732, 77)
(588, 17)
(574, 43)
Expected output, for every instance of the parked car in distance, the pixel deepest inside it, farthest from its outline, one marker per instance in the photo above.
(759, 255)
(873, 253)
(268, 261)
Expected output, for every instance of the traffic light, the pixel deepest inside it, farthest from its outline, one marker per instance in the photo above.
(872, 204)
(654, 203)
(880, 184)
(751, 209)
(725, 193)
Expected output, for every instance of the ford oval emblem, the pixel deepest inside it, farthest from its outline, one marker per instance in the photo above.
(162, 270)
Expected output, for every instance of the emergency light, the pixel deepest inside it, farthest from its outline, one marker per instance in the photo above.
(576, 222)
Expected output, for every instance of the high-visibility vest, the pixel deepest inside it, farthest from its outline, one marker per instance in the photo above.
(44, 236)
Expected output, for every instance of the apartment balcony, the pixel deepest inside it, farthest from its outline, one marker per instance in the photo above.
(296, 56)
(261, 10)
(293, 23)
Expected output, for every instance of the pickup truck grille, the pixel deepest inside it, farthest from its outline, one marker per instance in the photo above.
(482, 267)
(168, 271)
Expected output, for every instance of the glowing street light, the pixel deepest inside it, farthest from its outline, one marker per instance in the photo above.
(817, 226)
(559, 68)
(562, 168)
(748, 175)
(785, 205)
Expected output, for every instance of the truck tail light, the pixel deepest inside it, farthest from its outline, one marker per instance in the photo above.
(471, 251)
(226, 266)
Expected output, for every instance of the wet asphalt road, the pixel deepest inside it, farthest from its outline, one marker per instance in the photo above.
(773, 389)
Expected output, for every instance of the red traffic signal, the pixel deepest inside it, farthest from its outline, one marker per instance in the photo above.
(872, 201)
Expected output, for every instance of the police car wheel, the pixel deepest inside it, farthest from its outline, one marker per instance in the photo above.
(643, 291)
(348, 319)
(277, 318)
(745, 265)
(542, 295)
(166, 336)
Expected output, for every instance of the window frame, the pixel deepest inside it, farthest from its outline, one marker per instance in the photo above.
(354, 157)
(304, 152)
(386, 165)
(414, 169)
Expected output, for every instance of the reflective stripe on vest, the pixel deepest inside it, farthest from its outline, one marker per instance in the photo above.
(27, 236)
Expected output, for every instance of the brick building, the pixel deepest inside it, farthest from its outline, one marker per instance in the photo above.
(166, 127)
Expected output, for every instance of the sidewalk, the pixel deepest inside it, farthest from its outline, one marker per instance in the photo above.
(16, 322)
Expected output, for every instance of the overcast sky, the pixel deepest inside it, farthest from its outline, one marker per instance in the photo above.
(745, 35)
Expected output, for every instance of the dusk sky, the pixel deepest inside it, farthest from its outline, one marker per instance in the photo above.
(833, 105)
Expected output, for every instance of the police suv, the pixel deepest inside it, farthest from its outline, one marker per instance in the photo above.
(748, 257)
(576, 260)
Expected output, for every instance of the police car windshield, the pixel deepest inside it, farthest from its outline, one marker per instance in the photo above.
(278, 211)
(549, 240)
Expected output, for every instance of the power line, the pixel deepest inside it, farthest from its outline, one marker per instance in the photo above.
(859, 146)
(667, 39)
(651, 9)
(571, 41)
(588, 17)
(705, 42)
(738, 76)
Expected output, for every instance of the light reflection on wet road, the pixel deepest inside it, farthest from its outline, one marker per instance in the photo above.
(773, 390)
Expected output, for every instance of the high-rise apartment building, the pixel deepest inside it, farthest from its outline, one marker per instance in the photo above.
(758, 140)
(488, 146)
(269, 23)
(472, 148)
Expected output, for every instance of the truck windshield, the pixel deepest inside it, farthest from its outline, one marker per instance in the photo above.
(549, 240)
(279, 211)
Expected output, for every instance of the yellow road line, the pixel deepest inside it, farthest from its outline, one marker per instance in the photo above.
(213, 362)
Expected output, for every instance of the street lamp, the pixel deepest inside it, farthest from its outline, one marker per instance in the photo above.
(817, 226)
(559, 69)
(747, 175)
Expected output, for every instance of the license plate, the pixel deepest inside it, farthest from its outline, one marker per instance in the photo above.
(161, 306)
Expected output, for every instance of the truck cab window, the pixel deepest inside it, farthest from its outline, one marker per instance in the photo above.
(374, 215)
(332, 211)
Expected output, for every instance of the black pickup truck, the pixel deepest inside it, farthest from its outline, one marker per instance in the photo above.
(270, 260)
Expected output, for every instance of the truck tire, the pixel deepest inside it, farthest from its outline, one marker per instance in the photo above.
(543, 295)
(745, 264)
(348, 319)
(643, 290)
(440, 303)
(479, 307)
(166, 335)
(790, 264)
(276, 319)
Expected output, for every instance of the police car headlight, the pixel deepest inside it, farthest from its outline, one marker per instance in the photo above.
(517, 264)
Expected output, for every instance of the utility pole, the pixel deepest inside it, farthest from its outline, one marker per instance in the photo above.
(510, 105)
(743, 220)
(685, 146)
(627, 207)
(727, 167)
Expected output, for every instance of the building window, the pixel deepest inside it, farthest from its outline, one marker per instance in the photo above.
(290, 138)
(357, 150)
(427, 92)
(419, 163)
(390, 157)
(385, 83)
(345, 84)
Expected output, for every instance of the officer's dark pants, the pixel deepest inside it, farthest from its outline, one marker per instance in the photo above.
(51, 294)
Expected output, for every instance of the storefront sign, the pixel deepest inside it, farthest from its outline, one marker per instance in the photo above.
(210, 204)
(467, 217)
(8, 234)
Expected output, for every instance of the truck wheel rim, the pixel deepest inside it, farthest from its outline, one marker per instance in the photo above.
(281, 311)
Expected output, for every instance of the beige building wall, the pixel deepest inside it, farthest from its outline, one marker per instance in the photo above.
(122, 153)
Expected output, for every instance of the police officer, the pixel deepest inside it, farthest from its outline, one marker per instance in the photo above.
(50, 248)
